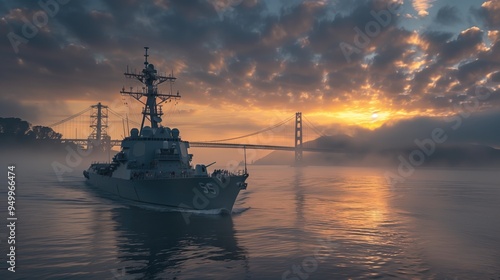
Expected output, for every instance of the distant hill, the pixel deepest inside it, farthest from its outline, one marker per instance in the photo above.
(353, 152)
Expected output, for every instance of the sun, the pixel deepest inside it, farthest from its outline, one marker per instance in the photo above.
(375, 116)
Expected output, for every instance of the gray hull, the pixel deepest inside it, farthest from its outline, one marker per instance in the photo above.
(196, 193)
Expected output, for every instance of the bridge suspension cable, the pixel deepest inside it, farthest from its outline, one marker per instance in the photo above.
(70, 117)
(314, 128)
(115, 113)
(121, 117)
(255, 133)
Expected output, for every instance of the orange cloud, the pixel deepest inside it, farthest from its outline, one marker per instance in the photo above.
(422, 7)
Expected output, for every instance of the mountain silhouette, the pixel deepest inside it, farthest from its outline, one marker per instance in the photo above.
(351, 151)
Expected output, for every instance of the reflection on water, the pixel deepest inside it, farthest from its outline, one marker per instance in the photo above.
(314, 222)
(161, 245)
(299, 197)
(374, 231)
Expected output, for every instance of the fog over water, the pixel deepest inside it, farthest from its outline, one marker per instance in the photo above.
(319, 222)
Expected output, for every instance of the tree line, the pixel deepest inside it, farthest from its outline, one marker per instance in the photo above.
(16, 131)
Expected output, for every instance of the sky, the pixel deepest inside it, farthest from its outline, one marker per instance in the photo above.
(353, 67)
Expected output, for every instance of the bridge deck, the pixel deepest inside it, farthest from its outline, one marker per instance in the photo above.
(196, 144)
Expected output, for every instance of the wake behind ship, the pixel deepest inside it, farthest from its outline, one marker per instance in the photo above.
(154, 165)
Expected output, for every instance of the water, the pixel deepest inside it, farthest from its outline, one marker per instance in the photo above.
(291, 223)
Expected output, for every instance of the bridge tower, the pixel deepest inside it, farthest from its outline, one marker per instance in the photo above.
(298, 138)
(99, 137)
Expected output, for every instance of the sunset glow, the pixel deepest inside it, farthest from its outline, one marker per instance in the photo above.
(236, 73)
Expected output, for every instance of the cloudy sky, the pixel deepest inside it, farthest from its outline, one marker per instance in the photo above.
(243, 65)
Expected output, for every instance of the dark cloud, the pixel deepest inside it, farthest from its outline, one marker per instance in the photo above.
(468, 74)
(465, 46)
(13, 108)
(436, 39)
(495, 77)
(489, 13)
(492, 54)
(448, 15)
(246, 54)
(457, 66)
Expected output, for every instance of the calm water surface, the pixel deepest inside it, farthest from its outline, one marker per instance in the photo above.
(291, 223)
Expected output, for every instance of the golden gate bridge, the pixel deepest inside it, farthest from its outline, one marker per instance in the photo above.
(99, 119)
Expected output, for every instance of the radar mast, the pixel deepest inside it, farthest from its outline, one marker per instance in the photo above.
(150, 78)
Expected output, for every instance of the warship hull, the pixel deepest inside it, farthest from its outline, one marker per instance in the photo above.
(196, 193)
(154, 165)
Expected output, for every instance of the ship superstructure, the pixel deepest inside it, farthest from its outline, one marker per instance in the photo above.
(154, 164)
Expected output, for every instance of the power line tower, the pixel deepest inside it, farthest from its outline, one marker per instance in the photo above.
(99, 137)
(298, 138)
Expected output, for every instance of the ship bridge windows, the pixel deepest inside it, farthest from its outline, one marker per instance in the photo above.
(163, 151)
(166, 154)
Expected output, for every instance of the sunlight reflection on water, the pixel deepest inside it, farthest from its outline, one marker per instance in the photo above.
(438, 225)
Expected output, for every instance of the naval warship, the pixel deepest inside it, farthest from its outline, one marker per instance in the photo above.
(154, 165)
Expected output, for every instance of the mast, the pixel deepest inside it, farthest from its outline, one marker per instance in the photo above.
(150, 78)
